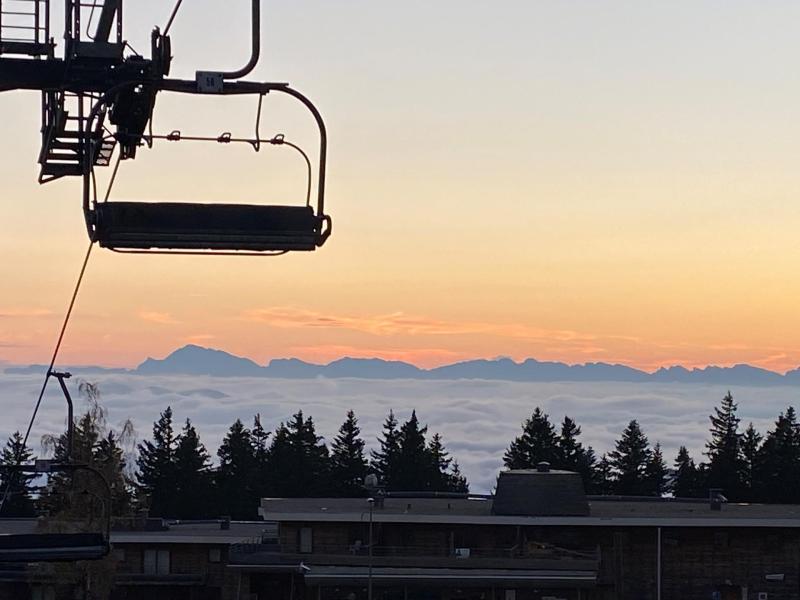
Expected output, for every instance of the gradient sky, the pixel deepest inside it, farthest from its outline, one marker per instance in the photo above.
(577, 181)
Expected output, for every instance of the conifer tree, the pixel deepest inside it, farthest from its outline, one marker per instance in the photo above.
(109, 456)
(385, 460)
(445, 474)
(440, 461)
(629, 460)
(687, 477)
(724, 450)
(193, 483)
(751, 444)
(298, 460)
(156, 468)
(537, 443)
(348, 464)
(235, 478)
(603, 477)
(413, 460)
(655, 473)
(458, 482)
(260, 437)
(777, 470)
(572, 456)
(19, 498)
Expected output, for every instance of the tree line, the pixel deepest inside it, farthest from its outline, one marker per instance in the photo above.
(174, 477)
(745, 465)
(173, 474)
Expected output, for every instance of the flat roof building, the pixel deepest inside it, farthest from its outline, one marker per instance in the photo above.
(538, 538)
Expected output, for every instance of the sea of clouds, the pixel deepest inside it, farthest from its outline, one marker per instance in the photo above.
(478, 419)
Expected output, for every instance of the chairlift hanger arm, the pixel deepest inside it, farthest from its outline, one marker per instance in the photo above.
(255, 50)
(186, 86)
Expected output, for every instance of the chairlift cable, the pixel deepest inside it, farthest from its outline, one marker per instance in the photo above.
(172, 16)
(52, 361)
(60, 338)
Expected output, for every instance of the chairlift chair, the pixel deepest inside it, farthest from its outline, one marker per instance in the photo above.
(58, 547)
(50, 547)
(210, 228)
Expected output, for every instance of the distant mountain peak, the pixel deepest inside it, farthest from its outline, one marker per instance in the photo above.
(198, 360)
(193, 359)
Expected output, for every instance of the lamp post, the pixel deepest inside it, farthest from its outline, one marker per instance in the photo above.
(371, 502)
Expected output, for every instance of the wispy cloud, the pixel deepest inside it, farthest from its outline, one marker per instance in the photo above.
(400, 323)
(389, 324)
(199, 338)
(24, 313)
(162, 318)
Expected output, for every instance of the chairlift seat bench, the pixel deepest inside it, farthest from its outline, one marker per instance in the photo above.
(184, 226)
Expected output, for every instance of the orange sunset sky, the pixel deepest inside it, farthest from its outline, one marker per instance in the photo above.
(575, 181)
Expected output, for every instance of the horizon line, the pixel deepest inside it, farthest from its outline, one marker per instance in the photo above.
(9, 364)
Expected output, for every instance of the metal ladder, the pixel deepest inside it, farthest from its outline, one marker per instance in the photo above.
(65, 135)
(92, 29)
(25, 27)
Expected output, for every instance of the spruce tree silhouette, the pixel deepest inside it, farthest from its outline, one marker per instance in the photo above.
(348, 463)
(629, 461)
(724, 450)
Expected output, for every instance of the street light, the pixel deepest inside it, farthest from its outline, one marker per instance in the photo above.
(371, 502)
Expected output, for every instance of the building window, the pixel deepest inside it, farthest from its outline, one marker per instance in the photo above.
(119, 554)
(306, 541)
(156, 562)
(214, 555)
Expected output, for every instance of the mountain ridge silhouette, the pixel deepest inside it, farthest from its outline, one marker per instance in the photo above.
(192, 359)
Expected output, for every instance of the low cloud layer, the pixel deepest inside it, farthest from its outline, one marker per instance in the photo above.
(478, 419)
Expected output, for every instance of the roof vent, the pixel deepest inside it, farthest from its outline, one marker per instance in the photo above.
(543, 467)
(716, 499)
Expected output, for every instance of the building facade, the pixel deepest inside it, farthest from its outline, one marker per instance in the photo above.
(538, 538)
(152, 560)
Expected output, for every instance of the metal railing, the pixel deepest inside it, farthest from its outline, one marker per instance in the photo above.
(538, 551)
(25, 27)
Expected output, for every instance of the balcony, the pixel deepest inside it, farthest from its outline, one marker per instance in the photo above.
(534, 556)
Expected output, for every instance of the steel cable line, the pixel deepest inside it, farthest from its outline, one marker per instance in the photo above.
(47, 376)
